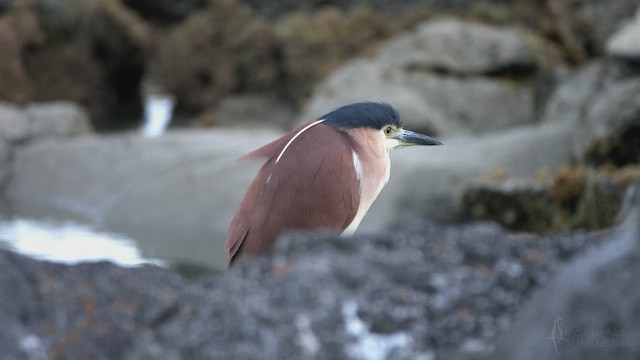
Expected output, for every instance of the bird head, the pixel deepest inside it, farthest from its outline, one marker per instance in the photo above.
(377, 117)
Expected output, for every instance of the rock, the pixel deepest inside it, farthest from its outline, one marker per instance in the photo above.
(99, 318)
(572, 98)
(453, 46)
(430, 183)
(166, 11)
(348, 85)
(431, 103)
(600, 202)
(336, 34)
(603, 104)
(427, 87)
(57, 119)
(575, 198)
(14, 124)
(253, 110)
(42, 120)
(137, 186)
(405, 8)
(599, 20)
(625, 43)
(613, 121)
(425, 292)
(517, 204)
(5, 157)
(469, 105)
(589, 310)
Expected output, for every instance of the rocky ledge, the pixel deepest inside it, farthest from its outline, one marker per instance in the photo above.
(425, 291)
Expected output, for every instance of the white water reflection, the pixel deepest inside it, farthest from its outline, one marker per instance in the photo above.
(158, 110)
(69, 243)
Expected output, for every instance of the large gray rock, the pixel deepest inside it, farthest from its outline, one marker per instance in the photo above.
(420, 73)
(603, 104)
(454, 46)
(625, 43)
(42, 120)
(187, 185)
(571, 99)
(475, 105)
(5, 156)
(14, 124)
(589, 311)
(57, 119)
(182, 186)
(429, 182)
(369, 80)
(425, 292)
(613, 122)
(600, 19)
(253, 109)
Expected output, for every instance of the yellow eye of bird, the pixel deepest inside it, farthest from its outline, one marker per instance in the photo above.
(387, 130)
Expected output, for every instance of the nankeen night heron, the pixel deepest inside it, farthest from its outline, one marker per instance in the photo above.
(322, 175)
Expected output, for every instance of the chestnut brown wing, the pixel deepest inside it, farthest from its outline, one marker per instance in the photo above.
(313, 185)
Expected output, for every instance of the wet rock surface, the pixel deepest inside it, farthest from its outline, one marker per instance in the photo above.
(428, 290)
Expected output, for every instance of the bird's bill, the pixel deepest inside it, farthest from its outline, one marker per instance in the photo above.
(411, 138)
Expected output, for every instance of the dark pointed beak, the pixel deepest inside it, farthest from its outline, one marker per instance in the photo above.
(411, 138)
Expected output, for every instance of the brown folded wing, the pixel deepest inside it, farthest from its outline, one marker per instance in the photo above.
(312, 186)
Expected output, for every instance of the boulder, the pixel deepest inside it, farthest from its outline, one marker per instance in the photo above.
(599, 20)
(431, 182)
(589, 310)
(185, 185)
(5, 157)
(252, 109)
(457, 47)
(425, 292)
(515, 203)
(571, 99)
(42, 120)
(57, 119)
(613, 121)
(625, 43)
(576, 197)
(602, 102)
(438, 83)
(316, 44)
(138, 186)
(14, 124)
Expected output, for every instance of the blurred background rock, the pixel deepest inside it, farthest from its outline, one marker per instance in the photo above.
(537, 102)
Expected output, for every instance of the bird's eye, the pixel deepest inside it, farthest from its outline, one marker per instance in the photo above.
(388, 130)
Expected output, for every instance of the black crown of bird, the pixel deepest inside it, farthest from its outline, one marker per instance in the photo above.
(324, 174)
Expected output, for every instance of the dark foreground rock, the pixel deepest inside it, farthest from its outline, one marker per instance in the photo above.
(589, 310)
(425, 292)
